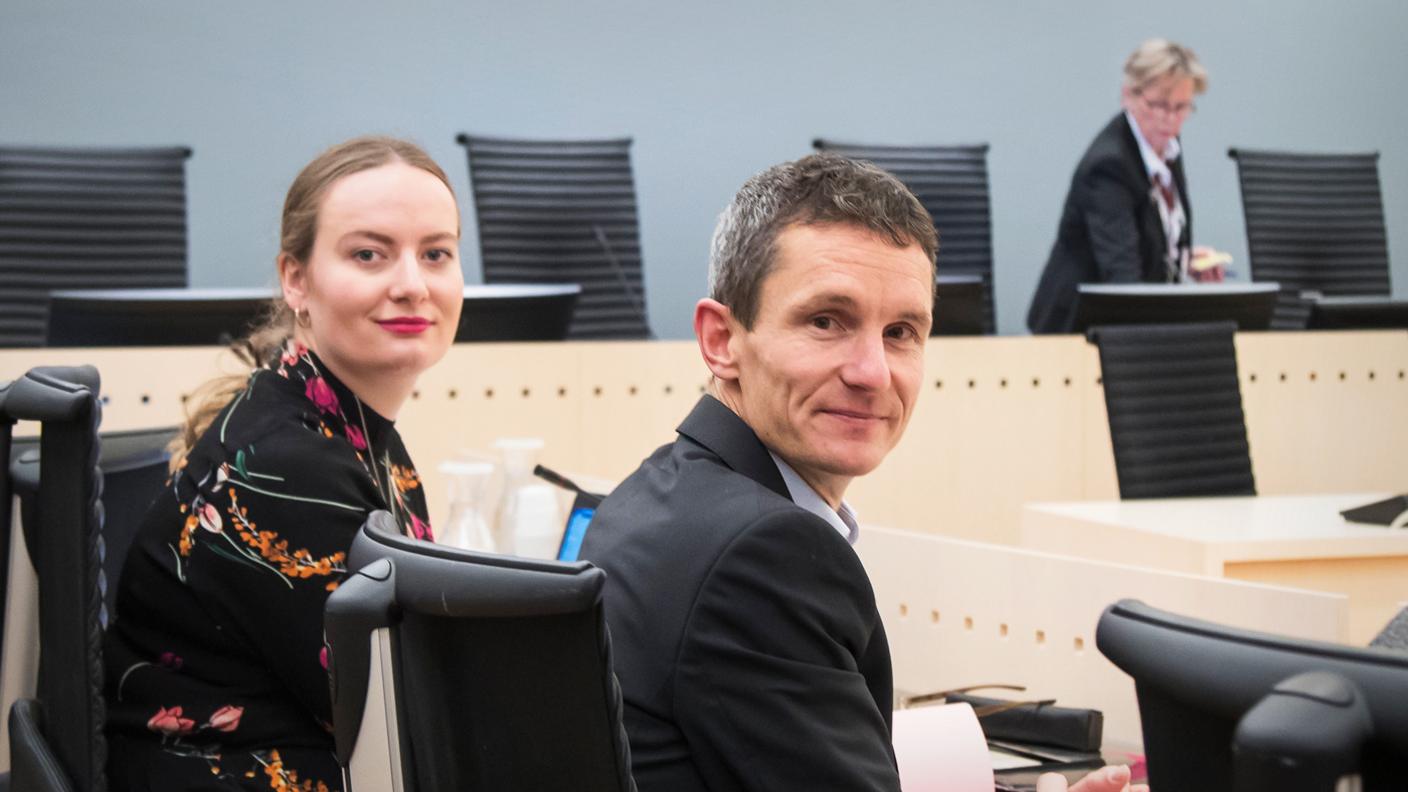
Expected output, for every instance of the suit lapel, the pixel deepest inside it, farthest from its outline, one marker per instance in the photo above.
(1138, 175)
(720, 430)
(1180, 182)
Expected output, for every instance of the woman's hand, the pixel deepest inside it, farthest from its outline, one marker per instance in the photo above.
(1208, 265)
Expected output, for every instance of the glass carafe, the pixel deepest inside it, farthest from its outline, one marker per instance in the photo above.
(467, 526)
(520, 454)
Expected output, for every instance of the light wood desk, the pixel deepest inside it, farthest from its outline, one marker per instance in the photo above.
(1290, 540)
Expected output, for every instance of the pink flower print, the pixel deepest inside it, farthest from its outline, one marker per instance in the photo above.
(358, 440)
(323, 657)
(320, 393)
(420, 529)
(226, 719)
(292, 352)
(209, 517)
(171, 660)
(169, 721)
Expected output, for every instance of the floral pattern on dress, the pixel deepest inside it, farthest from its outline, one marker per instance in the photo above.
(277, 486)
(284, 779)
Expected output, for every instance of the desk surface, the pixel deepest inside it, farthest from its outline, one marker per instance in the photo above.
(1298, 541)
(1238, 528)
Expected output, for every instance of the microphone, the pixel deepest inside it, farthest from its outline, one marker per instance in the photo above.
(553, 477)
(636, 302)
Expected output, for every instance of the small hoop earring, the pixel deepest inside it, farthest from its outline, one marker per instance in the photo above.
(301, 317)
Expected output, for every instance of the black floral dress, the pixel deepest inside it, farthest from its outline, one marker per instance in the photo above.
(216, 666)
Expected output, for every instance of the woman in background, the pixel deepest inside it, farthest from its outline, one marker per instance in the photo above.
(1127, 218)
(216, 666)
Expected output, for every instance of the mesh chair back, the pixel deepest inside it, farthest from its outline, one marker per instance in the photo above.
(1394, 634)
(1315, 222)
(134, 468)
(563, 211)
(952, 183)
(66, 556)
(1175, 409)
(86, 219)
(501, 666)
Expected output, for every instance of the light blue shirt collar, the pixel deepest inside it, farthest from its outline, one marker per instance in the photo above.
(844, 520)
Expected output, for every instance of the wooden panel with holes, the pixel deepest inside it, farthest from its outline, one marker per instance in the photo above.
(963, 613)
(1000, 421)
(1326, 412)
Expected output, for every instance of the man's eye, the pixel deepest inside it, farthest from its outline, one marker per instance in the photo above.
(437, 254)
(822, 322)
(901, 332)
(365, 255)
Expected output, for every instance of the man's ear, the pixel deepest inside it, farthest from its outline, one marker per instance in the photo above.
(716, 330)
(293, 280)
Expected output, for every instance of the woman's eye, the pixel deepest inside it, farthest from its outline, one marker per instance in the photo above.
(437, 254)
(365, 256)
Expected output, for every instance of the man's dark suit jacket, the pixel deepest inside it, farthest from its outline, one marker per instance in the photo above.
(1110, 228)
(750, 652)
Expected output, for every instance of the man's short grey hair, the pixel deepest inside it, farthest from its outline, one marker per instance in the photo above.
(814, 190)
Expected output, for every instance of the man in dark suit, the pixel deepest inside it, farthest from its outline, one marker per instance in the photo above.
(747, 642)
(1127, 217)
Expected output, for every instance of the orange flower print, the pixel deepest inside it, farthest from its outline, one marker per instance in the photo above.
(290, 563)
(187, 531)
(404, 478)
(287, 780)
(226, 719)
(169, 721)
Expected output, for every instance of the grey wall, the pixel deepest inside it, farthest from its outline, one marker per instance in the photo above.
(712, 91)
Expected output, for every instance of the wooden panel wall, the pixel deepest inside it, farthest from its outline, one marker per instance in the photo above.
(1001, 420)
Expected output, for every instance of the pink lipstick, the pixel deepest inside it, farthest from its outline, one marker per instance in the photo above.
(406, 325)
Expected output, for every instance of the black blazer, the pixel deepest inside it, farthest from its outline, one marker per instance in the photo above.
(749, 649)
(1110, 228)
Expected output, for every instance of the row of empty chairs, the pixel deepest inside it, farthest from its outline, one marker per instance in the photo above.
(566, 211)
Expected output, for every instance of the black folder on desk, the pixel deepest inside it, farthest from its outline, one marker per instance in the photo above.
(1383, 512)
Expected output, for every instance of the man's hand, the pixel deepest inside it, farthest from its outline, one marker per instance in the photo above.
(1107, 779)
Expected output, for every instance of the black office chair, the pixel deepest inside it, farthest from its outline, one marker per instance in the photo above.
(952, 183)
(1231, 710)
(1315, 223)
(57, 739)
(555, 211)
(500, 670)
(1175, 409)
(1394, 635)
(134, 464)
(74, 218)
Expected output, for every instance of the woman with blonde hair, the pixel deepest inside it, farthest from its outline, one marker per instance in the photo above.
(1127, 218)
(216, 666)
